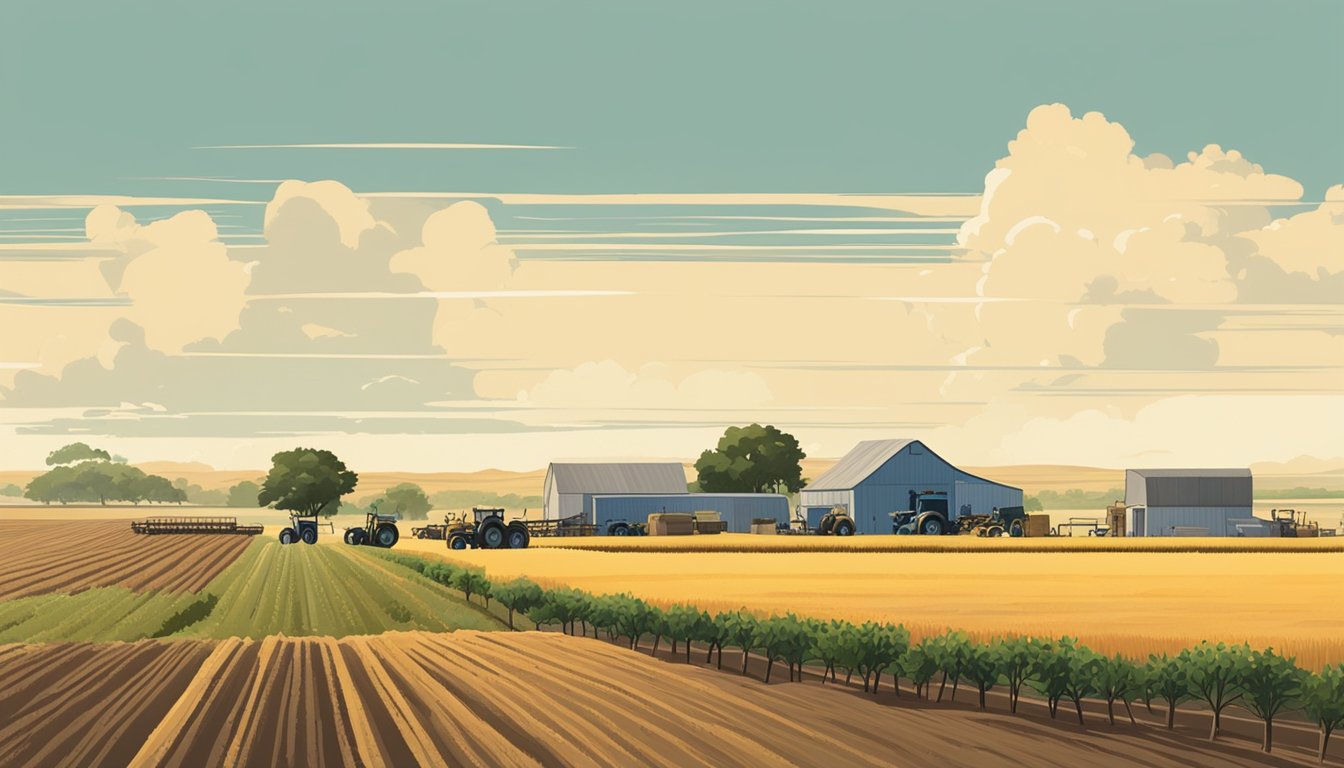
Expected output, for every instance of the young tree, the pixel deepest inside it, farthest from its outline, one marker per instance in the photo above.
(752, 459)
(950, 650)
(517, 595)
(1017, 657)
(75, 453)
(682, 624)
(742, 629)
(471, 582)
(1323, 702)
(1064, 669)
(307, 481)
(1268, 683)
(1115, 678)
(1166, 677)
(1211, 671)
(983, 667)
(919, 667)
(716, 634)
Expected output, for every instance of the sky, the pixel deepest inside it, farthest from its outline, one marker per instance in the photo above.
(451, 236)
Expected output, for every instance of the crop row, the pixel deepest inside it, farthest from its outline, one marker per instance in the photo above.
(1261, 682)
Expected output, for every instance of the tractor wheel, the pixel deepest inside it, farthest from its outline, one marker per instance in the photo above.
(619, 529)
(386, 536)
(843, 527)
(518, 537)
(824, 527)
(287, 536)
(1016, 530)
(932, 526)
(994, 531)
(350, 535)
(457, 541)
(308, 535)
(490, 535)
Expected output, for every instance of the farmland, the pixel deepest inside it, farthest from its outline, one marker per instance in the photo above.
(44, 556)
(502, 699)
(1134, 604)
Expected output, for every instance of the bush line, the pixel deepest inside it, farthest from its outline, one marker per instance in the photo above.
(1264, 683)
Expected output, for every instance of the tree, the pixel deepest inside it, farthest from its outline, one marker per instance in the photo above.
(516, 595)
(919, 666)
(950, 650)
(1064, 669)
(1211, 671)
(1167, 678)
(1115, 679)
(742, 628)
(1017, 657)
(752, 459)
(471, 582)
(983, 667)
(11, 490)
(243, 494)
(307, 481)
(683, 624)
(407, 500)
(1268, 683)
(1323, 702)
(75, 453)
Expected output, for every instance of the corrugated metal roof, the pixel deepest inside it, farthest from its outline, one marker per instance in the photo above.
(625, 477)
(862, 460)
(1234, 472)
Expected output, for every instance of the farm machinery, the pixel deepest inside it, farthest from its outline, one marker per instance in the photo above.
(1293, 524)
(378, 531)
(303, 527)
(1003, 521)
(486, 529)
(929, 516)
(194, 526)
(836, 522)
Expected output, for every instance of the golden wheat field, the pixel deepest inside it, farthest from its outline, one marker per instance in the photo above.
(1134, 603)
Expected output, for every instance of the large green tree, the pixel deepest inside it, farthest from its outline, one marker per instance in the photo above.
(752, 459)
(306, 480)
(244, 494)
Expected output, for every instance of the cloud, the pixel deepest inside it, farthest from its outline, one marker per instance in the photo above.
(607, 384)
(458, 252)
(349, 213)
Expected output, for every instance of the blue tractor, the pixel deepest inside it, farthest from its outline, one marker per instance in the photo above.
(302, 527)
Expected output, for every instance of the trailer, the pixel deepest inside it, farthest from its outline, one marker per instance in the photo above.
(574, 525)
(155, 526)
(436, 532)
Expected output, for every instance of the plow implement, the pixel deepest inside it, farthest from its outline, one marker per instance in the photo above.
(194, 526)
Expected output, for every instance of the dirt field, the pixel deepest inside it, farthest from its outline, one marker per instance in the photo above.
(1133, 603)
(46, 556)
(512, 699)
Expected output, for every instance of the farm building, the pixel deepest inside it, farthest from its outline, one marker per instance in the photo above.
(1189, 502)
(736, 509)
(878, 477)
(570, 487)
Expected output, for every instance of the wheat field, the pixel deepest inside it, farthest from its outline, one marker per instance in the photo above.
(1133, 603)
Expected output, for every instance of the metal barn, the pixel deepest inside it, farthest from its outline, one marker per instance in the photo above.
(570, 487)
(877, 476)
(1189, 502)
(736, 509)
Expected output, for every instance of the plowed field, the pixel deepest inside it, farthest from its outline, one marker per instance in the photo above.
(46, 556)
(500, 699)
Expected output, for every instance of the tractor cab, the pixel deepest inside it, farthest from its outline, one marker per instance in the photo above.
(929, 516)
(378, 530)
(303, 527)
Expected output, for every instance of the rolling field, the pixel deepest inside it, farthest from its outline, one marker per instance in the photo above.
(524, 699)
(1134, 603)
(48, 556)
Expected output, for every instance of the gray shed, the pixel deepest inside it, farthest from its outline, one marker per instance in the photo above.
(876, 478)
(1188, 502)
(570, 487)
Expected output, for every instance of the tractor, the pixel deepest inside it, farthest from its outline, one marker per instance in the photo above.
(1003, 521)
(302, 527)
(378, 530)
(929, 516)
(836, 522)
(1293, 524)
(486, 529)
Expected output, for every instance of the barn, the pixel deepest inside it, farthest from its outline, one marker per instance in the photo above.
(570, 487)
(877, 478)
(1188, 502)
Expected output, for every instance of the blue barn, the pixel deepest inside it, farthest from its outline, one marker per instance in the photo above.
(877, 477)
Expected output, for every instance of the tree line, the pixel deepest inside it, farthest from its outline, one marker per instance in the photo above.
(83, 474)
(1062, 671)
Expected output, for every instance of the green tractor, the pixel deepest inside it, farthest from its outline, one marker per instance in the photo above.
(378, 530)
(486, 529)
